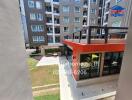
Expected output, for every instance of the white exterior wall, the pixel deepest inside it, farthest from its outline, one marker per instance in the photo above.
(14, 78)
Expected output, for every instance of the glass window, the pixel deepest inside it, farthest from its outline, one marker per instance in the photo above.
(31, 4)
(37, 28)
(77, 9)
(66, 29)
(89, 65)
(39, 17)
(93, 11)
(50, 39)
(56, 0)
(76, 29)
(66, 19)
(65, 8)
(49, 30)
(38, 39)
(112, 63)
(93, 1)
(36, 16)
(38, 5)
(32, 16)
(57, 39)
(77, 19)
(77, 0)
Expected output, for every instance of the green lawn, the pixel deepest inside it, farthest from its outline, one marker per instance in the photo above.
(32, 63)
(42, 75)
(48, 97)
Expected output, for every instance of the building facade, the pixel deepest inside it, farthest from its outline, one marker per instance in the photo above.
(35, 19)
(48, 22)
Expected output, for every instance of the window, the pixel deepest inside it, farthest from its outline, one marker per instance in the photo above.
(37, 28)
(77, 0)
(49, 30)
(50, 39)
(66, 19)
(77, 19)
(66, 29)
(36, 16)
(92, 21)
(39, 17)
(93, 11)
(89, 65)
(38, 5)
(93, 1)
(57, 39)
(38, 39)
(31, 4)
(56, 0)
(65, 8)
(76, 29)
(32, 16)
(77, 9)
(112, 63)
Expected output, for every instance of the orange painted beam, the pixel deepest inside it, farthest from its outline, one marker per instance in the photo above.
(96, 47)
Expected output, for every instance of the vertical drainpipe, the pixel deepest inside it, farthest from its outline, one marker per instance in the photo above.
(53, 21)
(88, 19)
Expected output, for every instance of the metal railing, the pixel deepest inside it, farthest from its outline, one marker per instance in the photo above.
(103, 33)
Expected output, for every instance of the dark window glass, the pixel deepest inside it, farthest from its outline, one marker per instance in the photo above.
(112, 63)
(89, 65)
(57, 39)
(50, 39)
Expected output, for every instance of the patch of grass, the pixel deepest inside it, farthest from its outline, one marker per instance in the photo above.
(32, 63)
(48, 97)
(44, 75)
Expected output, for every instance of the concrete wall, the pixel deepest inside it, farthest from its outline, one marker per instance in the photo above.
(124, 91)
(14, 79)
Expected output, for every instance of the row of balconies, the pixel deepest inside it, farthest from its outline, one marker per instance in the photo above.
(55, 9)
(49, 20)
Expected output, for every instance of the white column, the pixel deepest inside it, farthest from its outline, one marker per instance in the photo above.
(53, 21)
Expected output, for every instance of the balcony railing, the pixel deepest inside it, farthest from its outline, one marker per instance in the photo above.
(102, 35)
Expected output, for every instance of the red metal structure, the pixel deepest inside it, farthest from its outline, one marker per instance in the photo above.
(108, 46)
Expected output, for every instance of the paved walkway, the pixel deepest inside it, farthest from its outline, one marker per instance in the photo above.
(48, 61)
(68, 91)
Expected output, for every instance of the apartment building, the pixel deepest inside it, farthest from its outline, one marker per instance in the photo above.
(35, 20)
(49, 21)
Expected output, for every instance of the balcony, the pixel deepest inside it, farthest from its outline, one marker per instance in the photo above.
(49, 30)
(85, 13)
(84, 22)
(49, 21)
(56, 11)
(56, 2)
(48, 10)
(111, 35)
(57, 30)
(56, 21)
(85, 4)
